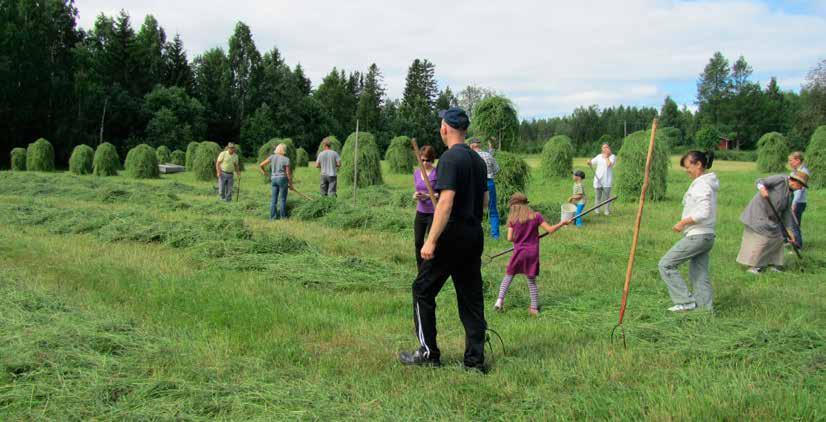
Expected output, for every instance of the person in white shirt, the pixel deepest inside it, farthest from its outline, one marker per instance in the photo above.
(697, 226)
(603, 176)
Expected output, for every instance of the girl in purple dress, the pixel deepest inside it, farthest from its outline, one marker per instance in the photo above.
(424, 206)
(523, 231)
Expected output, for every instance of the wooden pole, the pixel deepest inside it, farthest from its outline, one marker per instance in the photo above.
(424, 174)
(356, 162)
(630, 269)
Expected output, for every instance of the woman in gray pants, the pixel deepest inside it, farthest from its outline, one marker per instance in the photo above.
(697, 224)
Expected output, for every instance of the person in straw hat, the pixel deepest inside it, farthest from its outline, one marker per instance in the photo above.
(762, 245)
(225, 166)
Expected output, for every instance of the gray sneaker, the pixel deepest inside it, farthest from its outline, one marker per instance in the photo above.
(683, 307)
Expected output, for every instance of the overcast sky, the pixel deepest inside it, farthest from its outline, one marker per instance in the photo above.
(548, 56)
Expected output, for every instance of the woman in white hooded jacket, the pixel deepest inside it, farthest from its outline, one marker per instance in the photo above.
(697, 225)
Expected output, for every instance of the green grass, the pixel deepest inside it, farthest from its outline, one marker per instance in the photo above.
(126, 299)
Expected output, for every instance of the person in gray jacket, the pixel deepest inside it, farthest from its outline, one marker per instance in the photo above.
(762, 245)
(697, 224)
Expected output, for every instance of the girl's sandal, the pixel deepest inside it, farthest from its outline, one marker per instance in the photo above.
(533, 311)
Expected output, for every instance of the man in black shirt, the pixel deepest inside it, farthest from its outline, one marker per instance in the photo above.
(453, 248)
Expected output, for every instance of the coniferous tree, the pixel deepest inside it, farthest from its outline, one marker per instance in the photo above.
(244, 64)
(213, 89)
(177, 71)
(417, 111)
(713, 89)
(370, 101)
(150, 43)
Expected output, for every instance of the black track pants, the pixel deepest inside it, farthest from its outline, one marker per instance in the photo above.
(458, 255)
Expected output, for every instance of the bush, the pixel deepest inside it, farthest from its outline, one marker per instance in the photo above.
(18, 159)
(815, 158)
(203, 165)
(735, 155)
(82, 160)
(164, 155)
(301, 158)
(772, 153)
(558, 157)
(707, 138)
(335, 145)
(369, 161)
(178, 157)
(672, 136)
(267, 149)
(190, 155)
(107, 160)
(142, 162)
(40, 156)
(400, 155)
(495, 116)
(513, 177)
(630, 171)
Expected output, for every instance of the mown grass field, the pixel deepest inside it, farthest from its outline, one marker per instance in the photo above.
(144, 300)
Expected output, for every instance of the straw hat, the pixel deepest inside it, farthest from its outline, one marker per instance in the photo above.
(801, 177)
(231, 145)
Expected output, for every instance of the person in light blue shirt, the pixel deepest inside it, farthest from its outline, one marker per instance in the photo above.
(800, 196)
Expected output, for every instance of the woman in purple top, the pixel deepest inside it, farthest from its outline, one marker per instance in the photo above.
(424, 206)
(523, 231)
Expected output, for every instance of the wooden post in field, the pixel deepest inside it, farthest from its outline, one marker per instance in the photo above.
(356, 163)
(629, 270)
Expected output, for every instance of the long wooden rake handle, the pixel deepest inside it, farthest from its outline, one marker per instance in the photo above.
(582, 214)
(424, 173)
(783, 227)
(632, 255)
(301, 194)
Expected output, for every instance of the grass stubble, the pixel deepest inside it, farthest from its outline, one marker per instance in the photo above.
(151, 300)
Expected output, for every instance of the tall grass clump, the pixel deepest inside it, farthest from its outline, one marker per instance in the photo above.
(178, 157)
(772, 152)
(400, 155)
(18, 159)
(335, 145)
(369, 161)
(631, 171)
(82, 160)
(558, 157)
(513, 177)
(164, 155)
(815, 158)
(142, 162)
(301, 157)
(203, 165)
(40, 156)
(190, 155)
(106, 161)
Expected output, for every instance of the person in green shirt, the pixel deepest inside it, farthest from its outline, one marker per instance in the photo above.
(225, 166)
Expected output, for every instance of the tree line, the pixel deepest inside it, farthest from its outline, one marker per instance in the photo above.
(112, 83)
(730, 105)
(126, 86)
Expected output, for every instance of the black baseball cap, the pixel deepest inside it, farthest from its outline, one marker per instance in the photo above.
(456, 118)
(580, 174)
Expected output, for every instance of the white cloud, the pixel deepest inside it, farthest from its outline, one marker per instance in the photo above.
(549, 56)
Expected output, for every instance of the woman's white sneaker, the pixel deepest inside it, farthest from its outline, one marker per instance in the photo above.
(683, 307)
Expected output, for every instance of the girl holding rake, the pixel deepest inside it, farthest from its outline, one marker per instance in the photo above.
(523, 231)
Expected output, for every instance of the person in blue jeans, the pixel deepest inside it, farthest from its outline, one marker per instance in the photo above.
(578, 196)
(281, 178)
(492, 170)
